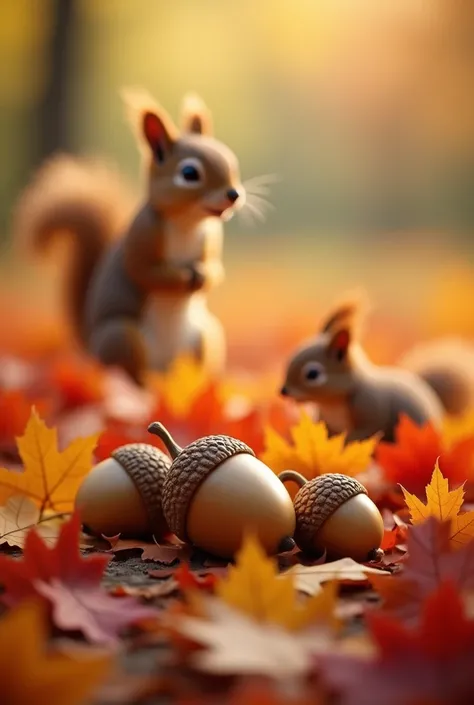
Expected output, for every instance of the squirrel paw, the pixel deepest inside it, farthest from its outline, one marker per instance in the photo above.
(197, 277)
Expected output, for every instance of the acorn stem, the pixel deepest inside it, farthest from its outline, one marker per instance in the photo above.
(292, 476)
(159, 430)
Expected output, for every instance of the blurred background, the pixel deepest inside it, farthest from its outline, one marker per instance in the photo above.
(363, 108)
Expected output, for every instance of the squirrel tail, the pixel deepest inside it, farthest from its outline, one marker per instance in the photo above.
(447, 366)
(81, 199)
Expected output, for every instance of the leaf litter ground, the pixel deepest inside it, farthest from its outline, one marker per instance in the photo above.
(245, 623)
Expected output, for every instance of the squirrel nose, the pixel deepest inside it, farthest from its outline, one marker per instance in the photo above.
(233, 195)
(284, 391)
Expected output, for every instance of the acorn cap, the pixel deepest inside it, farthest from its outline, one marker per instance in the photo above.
(318, 499)
(191, 465)
(147, 466)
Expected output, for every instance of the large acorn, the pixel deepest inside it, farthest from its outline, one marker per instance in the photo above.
(216, 490)
(122, 494)
(334, 513)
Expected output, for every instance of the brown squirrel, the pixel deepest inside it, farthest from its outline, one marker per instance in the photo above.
(136, 289)
(360, 398)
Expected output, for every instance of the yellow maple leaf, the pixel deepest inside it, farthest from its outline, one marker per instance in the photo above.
(50, 477)
(445, 505)
(181, 384)
(253, 586)
(314, 453)
(32, 674)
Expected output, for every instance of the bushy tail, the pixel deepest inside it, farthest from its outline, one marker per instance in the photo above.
(448, 367)
(83, 200)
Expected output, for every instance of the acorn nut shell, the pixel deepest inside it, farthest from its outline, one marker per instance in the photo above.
(334, 513)
(122, 494)
(216, 490)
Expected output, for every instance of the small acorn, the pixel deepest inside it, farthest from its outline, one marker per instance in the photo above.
(216, 490)
(334, 513)
(122, 494)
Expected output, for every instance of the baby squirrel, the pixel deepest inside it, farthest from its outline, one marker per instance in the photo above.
(360, 398)
(136, 288)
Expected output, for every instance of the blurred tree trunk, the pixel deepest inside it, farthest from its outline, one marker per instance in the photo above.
(53, 109)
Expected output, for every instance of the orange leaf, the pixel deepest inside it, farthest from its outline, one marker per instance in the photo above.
(32, 673)
(390, 539)
(444, 505)
(411, 459)
(50, 477)
(15, 410)
(314, 453)
(78, 381)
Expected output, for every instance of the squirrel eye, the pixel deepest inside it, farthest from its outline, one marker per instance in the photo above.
(314, 373)
(189, 173)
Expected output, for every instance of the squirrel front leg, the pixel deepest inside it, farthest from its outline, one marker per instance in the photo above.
(369, 413)
(151, 273)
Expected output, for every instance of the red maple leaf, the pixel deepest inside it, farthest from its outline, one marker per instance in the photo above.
(431, 560)
(411, 459)
(70, 583)
(432, 661)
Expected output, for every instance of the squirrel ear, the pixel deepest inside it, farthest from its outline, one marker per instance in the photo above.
(156, 135)
(151, 123)
(339, 343)
(196, 116)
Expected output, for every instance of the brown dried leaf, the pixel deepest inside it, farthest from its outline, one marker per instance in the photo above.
(161, 553)
(237, 644)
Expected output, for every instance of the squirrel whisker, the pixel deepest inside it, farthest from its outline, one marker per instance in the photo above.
(254, 209)
(262, 180)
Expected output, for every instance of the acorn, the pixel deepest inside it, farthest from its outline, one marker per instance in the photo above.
(217, 490)
(335, 514)
(122, 494)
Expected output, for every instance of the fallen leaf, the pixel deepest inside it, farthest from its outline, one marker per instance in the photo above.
(411, 459)
(238, 644)
(188, 579)
(50, 478)
(18, 516)
(15, 410)
(208, 413)
(314, 453)
(390, 539)
(432, 660)
(180, 386)
(32, 673)
(78, 381)
(211, 413)
(149, 592)
(161, 553)
(431, 560)
(255, 587)
(89, 609)
(309, 579)
(70, 583)
(444, 504)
